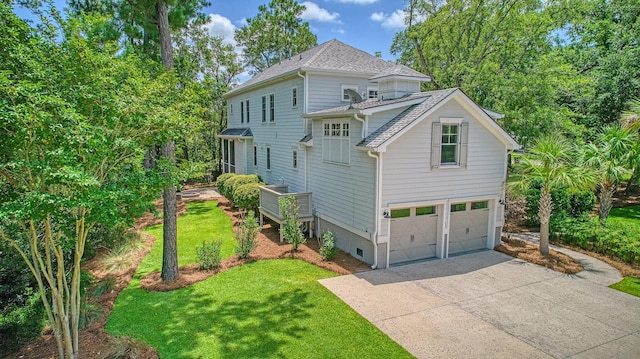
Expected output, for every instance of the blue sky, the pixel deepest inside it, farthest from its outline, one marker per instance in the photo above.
(369, 25)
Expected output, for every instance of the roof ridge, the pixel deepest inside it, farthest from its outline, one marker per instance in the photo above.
(319, 51)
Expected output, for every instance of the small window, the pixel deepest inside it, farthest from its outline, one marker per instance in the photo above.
(449, 154)
(241, 111)
(423, 211)
(294, 159)
(264, 108)
(400, 213)
(231, 108)
(479, 205)
(246, 106)
(294, 97)
(458, 207)
(272, 107)
(345, 94)
(372, 92)
(268, 158)
(255, 156)
(327, 130)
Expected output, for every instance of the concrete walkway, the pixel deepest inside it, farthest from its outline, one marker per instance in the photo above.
(490, 305)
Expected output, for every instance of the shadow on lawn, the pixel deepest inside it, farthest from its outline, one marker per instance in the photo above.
(227, 328)
(630, 212)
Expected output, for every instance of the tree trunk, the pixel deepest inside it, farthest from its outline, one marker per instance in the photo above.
(546, 206)
(605, 200)
(170, 230)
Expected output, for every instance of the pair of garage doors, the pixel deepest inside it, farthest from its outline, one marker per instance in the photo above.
(415, 230)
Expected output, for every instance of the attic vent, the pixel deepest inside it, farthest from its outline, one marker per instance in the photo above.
(355, 97)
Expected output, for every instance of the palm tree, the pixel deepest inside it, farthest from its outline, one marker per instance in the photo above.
(630, 120)
(609, 156)
(553, 162)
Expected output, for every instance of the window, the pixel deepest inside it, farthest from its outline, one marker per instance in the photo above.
(479, 205)
(231, 108)
(449, 143)
(345, 94)
(372, 92)
(449, 153)
(255, 156)
(272, 107)
(241, 111)
(294, 97)
(336, 143)
(458, 207)
(247, 109)
(264, 108)
(294, 159)
(423, 211)
(400, 213)
(268, 158)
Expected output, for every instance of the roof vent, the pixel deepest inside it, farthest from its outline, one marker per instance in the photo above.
(355, 97)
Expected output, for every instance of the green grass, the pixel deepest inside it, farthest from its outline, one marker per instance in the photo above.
(628, 285)
(266, 309)
(629, 215)
(204, 221)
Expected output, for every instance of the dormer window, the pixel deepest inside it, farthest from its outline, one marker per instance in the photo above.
(345, 94)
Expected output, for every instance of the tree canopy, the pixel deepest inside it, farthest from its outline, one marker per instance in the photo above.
(275, 33)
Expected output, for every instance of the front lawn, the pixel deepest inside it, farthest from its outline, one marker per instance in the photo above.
(271, 308)
(629, 285)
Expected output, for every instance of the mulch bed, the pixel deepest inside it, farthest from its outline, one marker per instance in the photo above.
(530, 252)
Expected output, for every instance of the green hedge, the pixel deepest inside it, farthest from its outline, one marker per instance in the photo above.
(247, 196)
(221, 183)
(233, 183)
(565, 204)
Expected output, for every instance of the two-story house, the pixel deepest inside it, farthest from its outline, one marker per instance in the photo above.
(396, 174)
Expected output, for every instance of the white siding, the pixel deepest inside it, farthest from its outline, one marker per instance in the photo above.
(327, 89)
(343, 192)
(407, 175)
(281, 135)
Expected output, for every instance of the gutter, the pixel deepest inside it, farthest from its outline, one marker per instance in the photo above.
(377, 210)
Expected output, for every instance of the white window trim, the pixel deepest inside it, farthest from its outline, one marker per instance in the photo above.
(255, 156)
(341, 138)
(372, 88)
(272, 105)
(231, 108)
(247, 112)
(294, 164)
(297, 97)
(462, 146)
(268, 158)
(347, 87)
(451, 120)
(263, 108)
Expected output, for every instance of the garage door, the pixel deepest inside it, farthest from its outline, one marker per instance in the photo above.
(413, 234)
(468, 227)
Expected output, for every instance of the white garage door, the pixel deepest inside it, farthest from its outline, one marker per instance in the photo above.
(468, 227)
(413, 234)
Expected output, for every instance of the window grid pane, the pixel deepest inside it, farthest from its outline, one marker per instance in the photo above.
(272, 106)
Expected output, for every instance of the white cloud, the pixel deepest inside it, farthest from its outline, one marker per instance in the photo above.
(220, 26)
(392, 21)
(315, 12)
(358, 2)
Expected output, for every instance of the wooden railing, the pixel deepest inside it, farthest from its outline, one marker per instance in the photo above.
(270, 206)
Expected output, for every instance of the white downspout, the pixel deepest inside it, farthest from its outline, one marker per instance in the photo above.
(377, 211)
(306, 152)
(364, 124)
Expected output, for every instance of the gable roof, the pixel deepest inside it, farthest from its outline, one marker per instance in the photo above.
(387, 133)
(332, 56)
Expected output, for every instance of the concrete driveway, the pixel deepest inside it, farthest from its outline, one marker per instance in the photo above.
(489, 305)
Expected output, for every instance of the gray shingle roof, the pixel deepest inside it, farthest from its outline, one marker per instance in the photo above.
(404, 119)
(370, 103)
(399, 70)
(236, 132)
(332, 55)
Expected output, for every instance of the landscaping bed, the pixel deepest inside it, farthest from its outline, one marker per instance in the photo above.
(530, 252)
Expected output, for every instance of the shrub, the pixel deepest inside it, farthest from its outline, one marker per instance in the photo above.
(221, 182)
(21, 324)
(232, 184)
(209, 255)
(247, 196)
(565, 204)
(328, 248)
(246, 235)
(290, 229)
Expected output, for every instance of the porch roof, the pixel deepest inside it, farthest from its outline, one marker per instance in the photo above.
(236, 133)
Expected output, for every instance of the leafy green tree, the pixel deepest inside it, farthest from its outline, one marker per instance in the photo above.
(630, 120)
(77, 118)
(552, 161)
(274, 34)
(291, 227)
(609, 159)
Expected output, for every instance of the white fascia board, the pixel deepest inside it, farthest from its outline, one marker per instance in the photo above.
(340, 114)
(486, 120)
